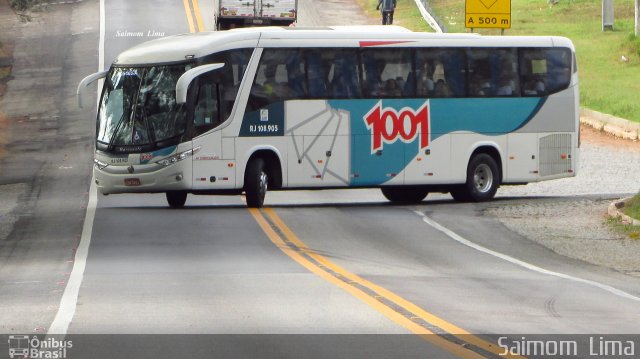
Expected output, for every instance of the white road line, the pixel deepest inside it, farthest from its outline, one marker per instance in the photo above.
(69, 301)
(520, 263)
(101, 41)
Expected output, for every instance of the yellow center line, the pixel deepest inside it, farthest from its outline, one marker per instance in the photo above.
(351, 283)
(275, 238)
(187, 9)
(196, 10)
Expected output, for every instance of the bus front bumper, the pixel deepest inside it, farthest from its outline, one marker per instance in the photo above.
(143, 178)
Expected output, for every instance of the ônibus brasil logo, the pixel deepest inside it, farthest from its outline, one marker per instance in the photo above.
(388, 125)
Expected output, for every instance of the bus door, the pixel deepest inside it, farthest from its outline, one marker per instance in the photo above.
(210, 171)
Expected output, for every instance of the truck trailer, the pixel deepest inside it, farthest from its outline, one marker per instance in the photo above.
(244, 13)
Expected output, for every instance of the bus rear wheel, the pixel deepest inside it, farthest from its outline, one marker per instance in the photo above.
(404, 194)
(256, 183)
(176, 199)
(483, 180)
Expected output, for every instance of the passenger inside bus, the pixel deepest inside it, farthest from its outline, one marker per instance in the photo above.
(345, 78)
(441, 89)
(480, 85)
(316, 76)
(505, 88)
(533, 86)
(392, 89)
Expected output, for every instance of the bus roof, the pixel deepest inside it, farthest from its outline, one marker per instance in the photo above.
(183, 47)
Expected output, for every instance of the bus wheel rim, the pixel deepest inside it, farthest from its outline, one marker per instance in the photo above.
(264, 180)
(483, 178)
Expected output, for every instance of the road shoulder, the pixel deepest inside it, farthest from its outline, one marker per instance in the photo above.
(46, 162)
(575, 228)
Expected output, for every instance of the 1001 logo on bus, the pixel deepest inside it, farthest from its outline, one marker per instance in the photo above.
(388, 125)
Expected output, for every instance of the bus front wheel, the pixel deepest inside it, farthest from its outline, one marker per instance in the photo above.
(404, 194)
(176, 199)
(483, 180)
(256, 182)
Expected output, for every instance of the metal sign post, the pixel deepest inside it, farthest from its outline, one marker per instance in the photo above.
(607, 15)
(637, 27)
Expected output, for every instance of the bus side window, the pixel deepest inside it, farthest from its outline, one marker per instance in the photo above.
(386, 71)
(559, 69)
(229, 77)
(342, 73)
(438, 72)
(296, 74)
(423, 75)
(493, 72)
(281, 76)
(262, 88)
(545, 71)
(480, 83)
(507, 72)
(207, 114)
(316, 75)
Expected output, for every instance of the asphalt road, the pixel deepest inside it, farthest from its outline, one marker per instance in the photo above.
(315, 274)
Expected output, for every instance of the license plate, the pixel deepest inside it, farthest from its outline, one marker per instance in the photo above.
(132, 182)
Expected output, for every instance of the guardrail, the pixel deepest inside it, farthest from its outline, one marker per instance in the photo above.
(432, 21)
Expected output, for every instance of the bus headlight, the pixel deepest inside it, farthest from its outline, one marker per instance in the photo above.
(99, 164)
(178, 157)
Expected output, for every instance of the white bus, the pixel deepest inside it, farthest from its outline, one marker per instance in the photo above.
(276, 108)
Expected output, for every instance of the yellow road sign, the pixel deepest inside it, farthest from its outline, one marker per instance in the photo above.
(488, 14)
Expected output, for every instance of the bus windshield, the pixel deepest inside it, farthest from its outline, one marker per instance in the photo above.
(138, 108)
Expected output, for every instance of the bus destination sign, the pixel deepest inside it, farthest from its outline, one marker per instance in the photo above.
(488, 14)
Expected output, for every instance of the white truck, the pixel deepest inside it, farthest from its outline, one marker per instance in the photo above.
(243, 13)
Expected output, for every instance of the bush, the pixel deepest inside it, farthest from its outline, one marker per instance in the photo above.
(632, 44)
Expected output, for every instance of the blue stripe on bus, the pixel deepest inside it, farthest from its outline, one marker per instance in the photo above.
(488, 116)
(479, 115)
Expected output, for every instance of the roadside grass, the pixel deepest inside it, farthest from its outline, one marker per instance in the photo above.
(608, 62)
(632, 209)
(625, 229)
(6, 70)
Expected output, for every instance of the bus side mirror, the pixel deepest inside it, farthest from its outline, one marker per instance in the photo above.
(185, 80)
(86, 82)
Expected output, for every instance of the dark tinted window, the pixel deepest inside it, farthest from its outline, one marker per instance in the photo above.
(347, 73)
(281, 76)
(343, 77)
(493, 72)
(386, 72)
(228, 78)
(440, 72)
(544, 71)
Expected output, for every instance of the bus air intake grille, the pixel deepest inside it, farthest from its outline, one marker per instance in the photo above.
(555, 154)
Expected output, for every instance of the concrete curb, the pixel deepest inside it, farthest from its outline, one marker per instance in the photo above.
(614, 212)
(615, 126)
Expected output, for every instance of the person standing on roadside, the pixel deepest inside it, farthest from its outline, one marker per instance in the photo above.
(386, 8)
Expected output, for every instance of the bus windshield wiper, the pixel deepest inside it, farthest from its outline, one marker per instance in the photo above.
(115, 132)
